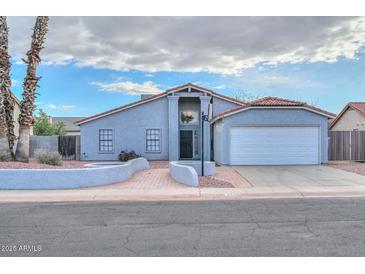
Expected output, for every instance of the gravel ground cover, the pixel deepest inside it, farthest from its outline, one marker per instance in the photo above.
(33, 164)
(355, 167)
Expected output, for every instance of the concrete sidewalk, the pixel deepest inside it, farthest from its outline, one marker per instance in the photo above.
(93, 194)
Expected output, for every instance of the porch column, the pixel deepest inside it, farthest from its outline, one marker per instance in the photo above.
(204, 106)
(173, 128)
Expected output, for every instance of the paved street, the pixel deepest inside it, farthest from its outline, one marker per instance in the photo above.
(285, 227)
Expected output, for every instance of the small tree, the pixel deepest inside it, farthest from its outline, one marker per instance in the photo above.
(43, 127)
(59, 129)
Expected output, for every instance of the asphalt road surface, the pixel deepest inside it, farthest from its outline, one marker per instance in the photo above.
(281, 227)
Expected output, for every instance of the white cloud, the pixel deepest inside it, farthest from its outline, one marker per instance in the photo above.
(214, 44)
(15, 83)
(219, 87)
(129, 88)
(61, 107)
(149, 75)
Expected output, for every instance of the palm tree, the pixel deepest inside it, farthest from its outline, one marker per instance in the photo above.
(5, 153)
(8, 100)
(27, 105)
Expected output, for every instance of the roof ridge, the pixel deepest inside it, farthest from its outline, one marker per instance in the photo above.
(301, 104)
(260, 100)
(157, 95)
(360, 109)
(206, 89)
(349, 105)
(319, 109)
(356, 102)
(120, 107)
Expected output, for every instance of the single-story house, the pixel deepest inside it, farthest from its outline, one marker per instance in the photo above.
(69, 123)
(352, 117)
(168, 126)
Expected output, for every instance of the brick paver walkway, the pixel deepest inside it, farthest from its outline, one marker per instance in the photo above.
(154, 178)
(158, 177)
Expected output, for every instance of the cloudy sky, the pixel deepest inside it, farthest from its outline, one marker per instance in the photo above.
(91, 64)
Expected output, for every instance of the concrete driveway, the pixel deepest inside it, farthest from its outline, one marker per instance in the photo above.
(317, 175)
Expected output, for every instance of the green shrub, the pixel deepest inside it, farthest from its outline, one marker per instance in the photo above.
(48, 157)
(126, 155)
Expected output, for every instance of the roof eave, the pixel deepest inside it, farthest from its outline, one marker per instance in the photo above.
(339, 116)
(349, 105)
(270, 107)
(211, 92)
(155, 97)
(119, 109)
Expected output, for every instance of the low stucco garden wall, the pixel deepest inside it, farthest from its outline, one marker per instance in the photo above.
(183, 174)
(70, 178)
(209, 167)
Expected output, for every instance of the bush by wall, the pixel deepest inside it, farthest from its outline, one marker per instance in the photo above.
(48, 157)
(126, 155)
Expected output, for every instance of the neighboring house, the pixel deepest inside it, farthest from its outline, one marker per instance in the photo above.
(167, 126)
(352, 117)
(69, 123)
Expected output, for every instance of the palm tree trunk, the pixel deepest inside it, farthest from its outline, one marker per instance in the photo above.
(5, 83)
(5, 154)
(27, 105)
(22, 149)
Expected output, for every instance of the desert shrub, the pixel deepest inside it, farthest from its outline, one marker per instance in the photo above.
(126, 155)
(4, 157)
(48, 157)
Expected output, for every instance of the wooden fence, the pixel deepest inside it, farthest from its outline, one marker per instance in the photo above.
(346, 145)
(67, 146)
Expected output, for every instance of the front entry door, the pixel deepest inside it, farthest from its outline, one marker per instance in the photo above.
(186, 144)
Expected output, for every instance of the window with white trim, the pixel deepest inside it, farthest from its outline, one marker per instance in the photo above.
(153, 140)
(105, 140)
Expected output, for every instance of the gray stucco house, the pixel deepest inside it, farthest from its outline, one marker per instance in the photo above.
(167, 126)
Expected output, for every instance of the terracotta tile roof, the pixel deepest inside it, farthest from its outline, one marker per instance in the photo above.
(333, 115)
(358, 106)
(274, 102)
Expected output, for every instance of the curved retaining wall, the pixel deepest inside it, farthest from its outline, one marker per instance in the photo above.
(209, 167)
(183, 174)
(69, 178)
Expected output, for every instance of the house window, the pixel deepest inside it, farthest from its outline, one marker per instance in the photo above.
(105, 140)
(153, 140)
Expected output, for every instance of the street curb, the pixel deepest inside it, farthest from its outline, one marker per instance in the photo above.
(186, 194)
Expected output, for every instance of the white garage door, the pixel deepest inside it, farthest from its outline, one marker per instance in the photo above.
(274, 145)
